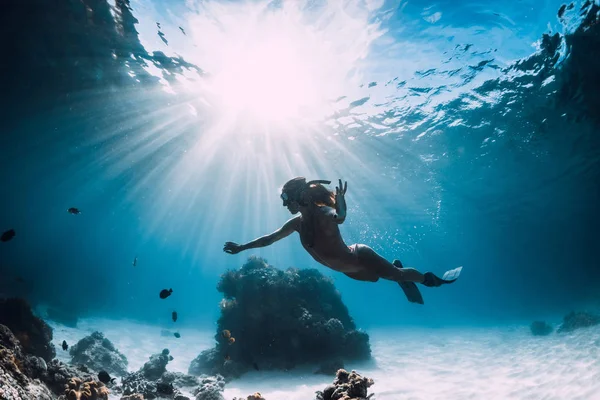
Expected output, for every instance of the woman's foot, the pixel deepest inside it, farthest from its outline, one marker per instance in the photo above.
(432, 280)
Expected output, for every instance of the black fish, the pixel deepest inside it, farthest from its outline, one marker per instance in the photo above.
(8, 235)
(74, 211)
(255, 365)
(105, 378)
(135, 261)
(177, 335)
(165, 293)
(182, 31)
(174, 315)
(65, 346)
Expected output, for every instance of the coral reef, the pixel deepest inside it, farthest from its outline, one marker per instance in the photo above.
(540, 328)
(255, 396)
(157, 366)
(576, 320)
(210, 388)
(98, 353)
(15, 384)
(59, 374)
(35, 336)
(77, 389)
(154, 381)
(347, 386)
(280, 319)
(136, 396)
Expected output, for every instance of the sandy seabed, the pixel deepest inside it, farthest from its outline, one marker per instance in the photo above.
(409, 364)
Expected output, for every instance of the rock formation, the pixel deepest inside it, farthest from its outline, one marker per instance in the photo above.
(540, 328)
(576, 320)
(347, 386)
(278, 320)
(98, 353)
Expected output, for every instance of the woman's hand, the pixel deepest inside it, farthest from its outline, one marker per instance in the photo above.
(340, 190)
(232, 248)
(340, 200)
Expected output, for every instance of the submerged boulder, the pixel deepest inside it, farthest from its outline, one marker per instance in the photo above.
(34, 335)
(153, 381)
(347, 386)
(17, 378)
(576, 320)
(98, 353)
(540, 328)
(275, 320)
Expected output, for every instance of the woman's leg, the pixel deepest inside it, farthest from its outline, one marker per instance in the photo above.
(373, 262)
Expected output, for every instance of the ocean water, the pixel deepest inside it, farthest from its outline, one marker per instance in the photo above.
(467, 132)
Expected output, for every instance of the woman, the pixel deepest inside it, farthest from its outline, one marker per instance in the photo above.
(321, 211)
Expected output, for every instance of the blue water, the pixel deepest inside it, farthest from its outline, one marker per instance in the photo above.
(463, 142)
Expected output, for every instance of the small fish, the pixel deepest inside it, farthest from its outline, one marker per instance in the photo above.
(177, 335)
(74, 211)
(255, 365)
(226, 334)
(227, 358)
(181, 29)
(105, 378)
(19, 279)
(165, 293)
(135, 261)
(8, 235)
(65, 346)
(231, 340)
(174, 316)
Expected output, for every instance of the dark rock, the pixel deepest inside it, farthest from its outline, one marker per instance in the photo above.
(279, 319)
(98, 353)
(15, 384)
(164, 388)
(157, 366)
(347, 386)
(33, 333)
(136, 396)
(576, 320)
(540, 328)
(58, 375)
(34, 367)
(136, 383)
(180, 380)
(210, 388)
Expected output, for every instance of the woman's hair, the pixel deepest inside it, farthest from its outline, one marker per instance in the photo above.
(316, 193)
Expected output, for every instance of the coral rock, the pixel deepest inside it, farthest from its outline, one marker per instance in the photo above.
(77, 389)
(34, 335)
(347, 386)
(136, 396)
(576, 320)
(279, 319)
(98, 353)
(540, 328)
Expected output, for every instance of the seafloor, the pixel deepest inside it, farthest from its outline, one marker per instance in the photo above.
(411, 363)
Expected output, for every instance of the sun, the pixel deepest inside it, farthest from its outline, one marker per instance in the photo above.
(277, 64)
(268, 79)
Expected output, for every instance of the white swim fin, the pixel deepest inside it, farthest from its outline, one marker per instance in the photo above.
(452, 275)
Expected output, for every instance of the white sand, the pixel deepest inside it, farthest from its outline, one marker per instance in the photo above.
(411, 364)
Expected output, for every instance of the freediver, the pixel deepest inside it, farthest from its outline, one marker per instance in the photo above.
(321, 211)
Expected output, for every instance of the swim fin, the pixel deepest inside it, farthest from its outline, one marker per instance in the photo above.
(412, 292)
(431, 280)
